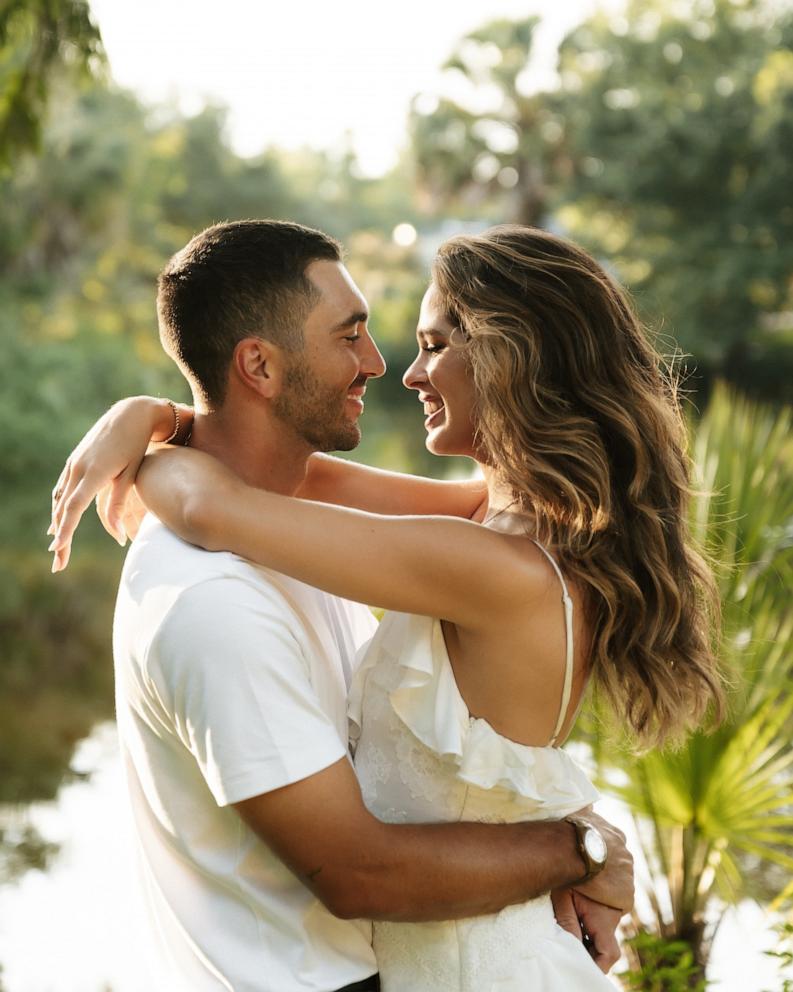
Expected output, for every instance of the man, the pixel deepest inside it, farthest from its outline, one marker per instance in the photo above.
(259, 857)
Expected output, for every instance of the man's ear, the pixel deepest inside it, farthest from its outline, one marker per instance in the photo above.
(259, 365)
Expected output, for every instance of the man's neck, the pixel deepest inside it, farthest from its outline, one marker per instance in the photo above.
(265, 455)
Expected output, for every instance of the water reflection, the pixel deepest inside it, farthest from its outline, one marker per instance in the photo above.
(74, 927)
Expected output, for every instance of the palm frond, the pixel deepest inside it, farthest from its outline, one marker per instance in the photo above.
(727, 796)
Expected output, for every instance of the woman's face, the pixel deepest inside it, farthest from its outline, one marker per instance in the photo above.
(442, 378)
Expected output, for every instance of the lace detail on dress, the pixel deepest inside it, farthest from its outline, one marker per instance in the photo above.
(373, 769)
(490, 946)
(469, 955)
(422, 771)
(395, 946)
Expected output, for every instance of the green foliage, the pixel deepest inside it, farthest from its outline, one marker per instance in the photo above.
(663, 966)
(23, 848)
(37, 39)
(56, 679)
(466, 154)
(664, 149)
(679, 126)
(784, 955)
(715, 817)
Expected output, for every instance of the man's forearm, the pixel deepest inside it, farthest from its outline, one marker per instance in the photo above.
(361, 867)
(454, 870)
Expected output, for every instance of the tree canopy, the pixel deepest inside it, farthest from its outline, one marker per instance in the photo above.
(39, 39)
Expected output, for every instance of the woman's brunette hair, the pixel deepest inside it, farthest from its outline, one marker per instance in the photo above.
(579, 417)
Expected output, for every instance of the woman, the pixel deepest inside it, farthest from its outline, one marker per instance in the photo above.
(531, 363)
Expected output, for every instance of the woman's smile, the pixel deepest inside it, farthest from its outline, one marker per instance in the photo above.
(433, 408)
(441, 377)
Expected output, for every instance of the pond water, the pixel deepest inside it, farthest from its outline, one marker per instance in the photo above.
(74, 927)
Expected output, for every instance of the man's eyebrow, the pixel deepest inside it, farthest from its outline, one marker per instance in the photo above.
(360, 317)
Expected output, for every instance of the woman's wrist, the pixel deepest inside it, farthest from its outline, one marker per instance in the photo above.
(169, 421)
(155, 413)
(319, 478)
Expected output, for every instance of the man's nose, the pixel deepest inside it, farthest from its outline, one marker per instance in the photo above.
(372, 362)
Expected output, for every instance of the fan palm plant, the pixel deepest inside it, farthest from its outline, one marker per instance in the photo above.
(724, 802)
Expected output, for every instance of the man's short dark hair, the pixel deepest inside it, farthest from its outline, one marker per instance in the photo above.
(236, 280)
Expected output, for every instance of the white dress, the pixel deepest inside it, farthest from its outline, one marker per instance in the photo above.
(421, 757)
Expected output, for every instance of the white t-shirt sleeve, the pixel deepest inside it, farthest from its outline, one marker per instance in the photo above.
(230, 660)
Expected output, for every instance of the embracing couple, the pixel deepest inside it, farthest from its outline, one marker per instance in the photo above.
(458, 849)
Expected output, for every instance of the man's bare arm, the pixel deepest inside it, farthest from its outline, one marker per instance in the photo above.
(360, 867)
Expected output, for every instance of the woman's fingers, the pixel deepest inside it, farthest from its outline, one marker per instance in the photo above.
(71, 510)
(76, 475)
(134, 512)
(606, 951)
(600, 923)
(121, 490)
(75, 489)
(110, 505)
(61, 490)
(108, 455)
(565, 912)
(60, 485)
(104, 500)
(60, 505)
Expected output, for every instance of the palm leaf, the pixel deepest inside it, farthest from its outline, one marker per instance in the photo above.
(721, 798)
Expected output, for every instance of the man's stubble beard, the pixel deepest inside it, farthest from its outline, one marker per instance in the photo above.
(315, 411)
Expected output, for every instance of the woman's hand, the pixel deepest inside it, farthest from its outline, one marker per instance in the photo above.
(599, 923)
(590, 922)
(104, 465)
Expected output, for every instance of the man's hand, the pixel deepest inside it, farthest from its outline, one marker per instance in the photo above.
(612, 887)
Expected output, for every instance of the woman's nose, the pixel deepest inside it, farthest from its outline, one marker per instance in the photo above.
(415, 373)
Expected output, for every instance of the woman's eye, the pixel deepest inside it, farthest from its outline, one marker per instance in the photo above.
(433, 348)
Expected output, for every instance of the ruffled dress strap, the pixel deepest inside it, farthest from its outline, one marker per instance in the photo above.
(424, 696)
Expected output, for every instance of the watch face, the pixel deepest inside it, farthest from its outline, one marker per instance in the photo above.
(595, 846)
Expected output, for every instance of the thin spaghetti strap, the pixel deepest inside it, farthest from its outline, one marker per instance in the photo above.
(568, 665)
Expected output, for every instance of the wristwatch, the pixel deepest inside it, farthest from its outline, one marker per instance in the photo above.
(591, 846)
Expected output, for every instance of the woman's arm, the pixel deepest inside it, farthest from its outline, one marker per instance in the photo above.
(436, 566)
(345, 483)
(105, 462)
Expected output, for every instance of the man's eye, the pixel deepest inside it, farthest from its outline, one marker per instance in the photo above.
(352, 337)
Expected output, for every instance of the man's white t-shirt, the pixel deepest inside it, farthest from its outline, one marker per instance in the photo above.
(231, 681)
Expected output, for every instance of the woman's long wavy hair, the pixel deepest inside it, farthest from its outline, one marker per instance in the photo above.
(580, 418)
